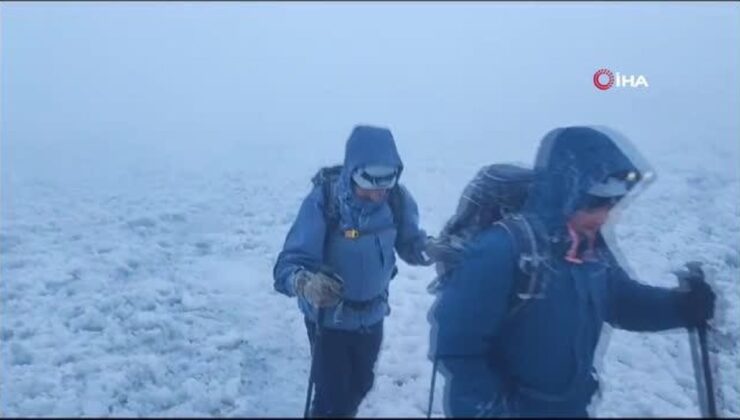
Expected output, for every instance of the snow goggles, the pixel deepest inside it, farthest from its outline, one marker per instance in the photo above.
(616, 184)
(376, 177)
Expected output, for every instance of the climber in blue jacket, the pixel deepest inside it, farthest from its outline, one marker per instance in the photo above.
(339, 258)
(505, 355)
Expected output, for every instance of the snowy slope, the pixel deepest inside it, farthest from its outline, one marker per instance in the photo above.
(152, 295)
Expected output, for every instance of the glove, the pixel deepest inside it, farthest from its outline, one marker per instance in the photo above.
(424, 259)
(440, 250)
(319, 289)
(696, 304)
(419, 256)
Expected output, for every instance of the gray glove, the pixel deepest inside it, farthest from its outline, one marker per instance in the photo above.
(319, 289)
(440, 250)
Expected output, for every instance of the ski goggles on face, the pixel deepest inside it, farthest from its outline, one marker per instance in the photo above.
(616, 185)
(376, 177)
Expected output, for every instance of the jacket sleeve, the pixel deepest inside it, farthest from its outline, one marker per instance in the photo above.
(304, 244)
(470, 307)
(638, 307)
(410, 239)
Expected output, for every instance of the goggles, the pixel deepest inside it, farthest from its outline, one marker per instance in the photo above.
(376, 177)
(616, 185)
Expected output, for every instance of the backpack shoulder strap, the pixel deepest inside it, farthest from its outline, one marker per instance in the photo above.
(530, 257)
(331, 207)
(395, 202)
(326, 178)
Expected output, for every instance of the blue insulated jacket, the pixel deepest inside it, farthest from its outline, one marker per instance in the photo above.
(365, 263)
(539, 361)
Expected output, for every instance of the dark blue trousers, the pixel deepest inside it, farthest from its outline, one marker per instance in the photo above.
(343, 368)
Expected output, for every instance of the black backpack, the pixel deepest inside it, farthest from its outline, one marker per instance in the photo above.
(496, 196)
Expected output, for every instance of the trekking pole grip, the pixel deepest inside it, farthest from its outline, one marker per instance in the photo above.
(700, 357)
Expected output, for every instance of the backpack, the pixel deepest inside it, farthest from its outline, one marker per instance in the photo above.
(495, 196)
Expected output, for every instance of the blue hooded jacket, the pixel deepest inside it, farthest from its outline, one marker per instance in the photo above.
(366, 263)
(539, 361)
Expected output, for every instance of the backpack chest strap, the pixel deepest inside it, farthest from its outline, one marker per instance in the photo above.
(355, 233)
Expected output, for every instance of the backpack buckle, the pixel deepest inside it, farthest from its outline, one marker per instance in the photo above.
(351, 233)
(530, 265)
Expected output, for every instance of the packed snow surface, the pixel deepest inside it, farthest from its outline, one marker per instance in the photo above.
(158, 301)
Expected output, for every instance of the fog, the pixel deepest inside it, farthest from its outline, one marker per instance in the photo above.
(111, 88)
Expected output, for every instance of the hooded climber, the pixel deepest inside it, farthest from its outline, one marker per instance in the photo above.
(339, 257)
(512, 351)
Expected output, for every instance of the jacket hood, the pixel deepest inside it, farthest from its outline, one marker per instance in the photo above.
(368, 145)
(569, 162)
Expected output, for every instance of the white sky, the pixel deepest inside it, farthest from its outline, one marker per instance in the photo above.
(124, 84)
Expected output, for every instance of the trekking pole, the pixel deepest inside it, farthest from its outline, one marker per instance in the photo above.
(706, 367)
(431, 391)
(312, 373)
(700, 356)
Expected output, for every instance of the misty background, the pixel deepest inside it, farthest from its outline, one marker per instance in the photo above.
(96, 91)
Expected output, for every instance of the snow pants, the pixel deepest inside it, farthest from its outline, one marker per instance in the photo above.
(343, 368)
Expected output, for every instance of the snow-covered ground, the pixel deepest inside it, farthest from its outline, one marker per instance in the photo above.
(152, 295)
